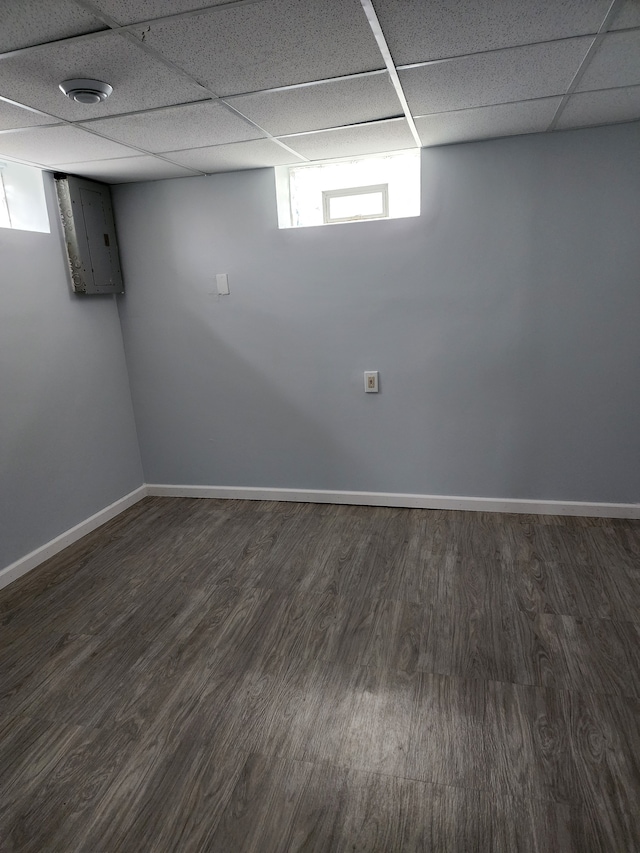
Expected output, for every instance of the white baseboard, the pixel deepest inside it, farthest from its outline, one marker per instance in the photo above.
(49, 549)
(534, 507)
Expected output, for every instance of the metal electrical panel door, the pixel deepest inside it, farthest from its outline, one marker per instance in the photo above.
(90, 235)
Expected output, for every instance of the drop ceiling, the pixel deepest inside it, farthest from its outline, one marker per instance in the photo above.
(203, 87)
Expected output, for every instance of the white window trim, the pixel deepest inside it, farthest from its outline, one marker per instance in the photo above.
(327, 195)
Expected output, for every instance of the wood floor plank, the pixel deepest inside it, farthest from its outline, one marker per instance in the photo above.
(537, 743)
(33, 750)
(590, 591)
(50, 815)
(341, 561)
(300, 806)
(165, 798)
(388, 813)
(261, 812)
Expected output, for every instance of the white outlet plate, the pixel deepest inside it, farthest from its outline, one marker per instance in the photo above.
(371, 381)
(222, 283)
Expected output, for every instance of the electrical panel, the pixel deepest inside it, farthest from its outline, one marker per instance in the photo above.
(90, 235)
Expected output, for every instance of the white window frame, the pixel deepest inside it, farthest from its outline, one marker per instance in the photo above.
(327, 195)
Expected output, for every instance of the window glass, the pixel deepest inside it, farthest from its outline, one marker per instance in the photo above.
(22, 200)
(356, 203)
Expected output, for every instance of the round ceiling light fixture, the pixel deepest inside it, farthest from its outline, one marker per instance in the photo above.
(84, 91)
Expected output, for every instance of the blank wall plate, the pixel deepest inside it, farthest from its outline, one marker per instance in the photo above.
(371, 381)
(222, 283)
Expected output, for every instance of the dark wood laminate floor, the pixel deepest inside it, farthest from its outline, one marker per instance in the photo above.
(204, 675)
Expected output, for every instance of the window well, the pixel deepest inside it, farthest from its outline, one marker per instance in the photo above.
(380, 186)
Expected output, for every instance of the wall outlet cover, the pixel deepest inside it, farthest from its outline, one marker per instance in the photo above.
(371, 381)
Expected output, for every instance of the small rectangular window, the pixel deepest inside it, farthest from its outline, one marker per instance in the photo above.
(355, 203)
(377, 186)
(23, 205)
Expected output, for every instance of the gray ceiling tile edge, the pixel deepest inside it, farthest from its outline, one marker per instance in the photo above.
(600, 124)
(85, 121)
(10, 54)
(491, 106)
(115, 160)
(273, 139)
(308, 85)
(375, 123)
(591, 52)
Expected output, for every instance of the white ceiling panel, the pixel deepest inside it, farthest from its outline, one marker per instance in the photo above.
(616, 62)
(132, 11)
(515, 74)
(604, 107)
(372, 138)
(244, 48)
(60, 144)
(628, 16)
(487, 122)
(27, 22)
(322, 105)
(126, 169)
(139, 81)
(420, 30)
(257, 154)
(13, 117)
(191, 126)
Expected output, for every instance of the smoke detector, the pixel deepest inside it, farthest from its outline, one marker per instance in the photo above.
(85, 91)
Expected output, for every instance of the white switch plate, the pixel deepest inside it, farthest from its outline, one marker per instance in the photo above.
(371, 381)
(222, 283)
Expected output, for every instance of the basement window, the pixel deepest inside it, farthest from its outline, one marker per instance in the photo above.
(23, 205)
(380, 186)
(356, 203)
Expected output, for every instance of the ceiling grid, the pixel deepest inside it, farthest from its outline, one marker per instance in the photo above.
(202, 87)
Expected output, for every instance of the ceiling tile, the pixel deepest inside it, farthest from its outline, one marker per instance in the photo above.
(132, 11)
(608, 105)
(515, 74)
(257, 154)
(192, 126)
(126, 169)
(487, 122)
(27, 22)
(417, 31)
(360, 139)
(321, 105)
(628, 16)
(242, 48)
(616, 62)
(139, 81)
(13, 117)
(63, 143)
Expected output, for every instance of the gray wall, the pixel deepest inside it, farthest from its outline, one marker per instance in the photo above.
(68, 444)
(504, 323)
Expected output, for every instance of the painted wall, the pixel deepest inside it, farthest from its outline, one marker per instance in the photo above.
(68, 444)
(504, 321)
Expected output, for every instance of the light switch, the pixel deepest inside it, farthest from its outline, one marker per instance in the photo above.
(222, 284)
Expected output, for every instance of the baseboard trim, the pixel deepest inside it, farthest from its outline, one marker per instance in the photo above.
(533, 507)
(511, 505)
(49, 549)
